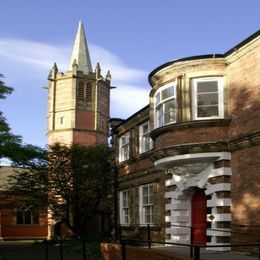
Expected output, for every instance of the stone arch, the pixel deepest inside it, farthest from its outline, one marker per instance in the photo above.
(215, 181)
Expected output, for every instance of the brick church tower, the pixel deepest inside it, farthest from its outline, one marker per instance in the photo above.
(78, 100)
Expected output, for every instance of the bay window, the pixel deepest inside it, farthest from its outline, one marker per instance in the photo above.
(165, 105)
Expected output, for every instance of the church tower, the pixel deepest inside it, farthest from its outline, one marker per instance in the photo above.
(78, 100)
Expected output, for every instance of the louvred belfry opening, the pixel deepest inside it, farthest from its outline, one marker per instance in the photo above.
(199, 217)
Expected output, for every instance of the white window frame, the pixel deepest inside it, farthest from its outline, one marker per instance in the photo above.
(145, 142)
(220, 97)
(124, 147)
(146, 208)
(124, 207)
(159, 105)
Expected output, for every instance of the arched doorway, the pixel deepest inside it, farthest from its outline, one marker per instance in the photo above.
(199, 217)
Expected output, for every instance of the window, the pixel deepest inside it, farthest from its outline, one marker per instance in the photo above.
(81, 91)
(27, 216)
(88, 92)
(124, 207)
(145, 142)
(165, 105)
(84, 92)
(62, 120)
(146, 195)
(207, 98)
(124, 147)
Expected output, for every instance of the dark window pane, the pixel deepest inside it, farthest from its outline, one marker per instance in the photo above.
(207, 99)
(19, 217)
(158, 99)
(169, 112)
(145, 128)
(159, 113)
(207, 86)
(36, 217)
(208, 111)
(81, 91)
(89, 92)
(168, 92)
(27, 217)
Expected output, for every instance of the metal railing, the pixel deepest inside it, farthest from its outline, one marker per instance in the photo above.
(194, 248)
(60, 246)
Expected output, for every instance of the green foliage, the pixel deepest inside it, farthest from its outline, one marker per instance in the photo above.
(70, 180)
(92, 249)
(4, 90)
(81, 177)
(11, 145)
(8, 141)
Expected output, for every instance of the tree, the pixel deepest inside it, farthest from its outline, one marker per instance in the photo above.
(72, 181)
(8, 141)
(11, 146)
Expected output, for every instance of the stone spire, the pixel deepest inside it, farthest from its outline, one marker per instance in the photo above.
(80, 53)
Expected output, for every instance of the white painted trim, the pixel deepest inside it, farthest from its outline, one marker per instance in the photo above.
(180, 230)
(220, 217)
(180, 219)
(169, 182)
(218, 202)
(217, 187)
(169, 194)
(196, 157)
(219, 233)
(180, 206)
(167, 219)
(220, 172)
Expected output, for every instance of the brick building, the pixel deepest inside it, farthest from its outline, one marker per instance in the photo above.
(19, 222)
(189, 158)
(192, 156)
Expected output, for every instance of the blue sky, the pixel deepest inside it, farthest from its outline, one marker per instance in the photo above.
(131, 38)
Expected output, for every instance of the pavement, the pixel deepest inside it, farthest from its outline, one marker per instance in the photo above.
(211, 254)
(29, 250)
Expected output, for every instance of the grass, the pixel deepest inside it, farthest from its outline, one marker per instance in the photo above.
(92, 249)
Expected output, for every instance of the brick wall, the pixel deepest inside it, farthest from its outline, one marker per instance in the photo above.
(192, 135)
(245, 193)
(10, 230)
(244, 91)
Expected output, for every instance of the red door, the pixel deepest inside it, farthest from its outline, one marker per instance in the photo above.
(199, 218)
